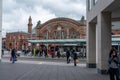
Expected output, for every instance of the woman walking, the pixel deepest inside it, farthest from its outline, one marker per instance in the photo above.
(113, 65)
(13, 56)
(74, 56)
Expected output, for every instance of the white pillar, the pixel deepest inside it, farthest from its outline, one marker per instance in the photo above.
(0, 28)
(103, 41)
(91, 45)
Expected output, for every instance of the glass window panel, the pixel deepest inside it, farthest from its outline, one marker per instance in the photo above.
(89, 5)
(96, 1)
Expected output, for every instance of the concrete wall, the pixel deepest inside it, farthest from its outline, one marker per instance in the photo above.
(100, 17)
(97, 8)
(0, 27)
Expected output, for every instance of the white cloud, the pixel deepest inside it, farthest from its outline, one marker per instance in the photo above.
(17, 12)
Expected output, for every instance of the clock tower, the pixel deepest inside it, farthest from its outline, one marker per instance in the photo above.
(30, 25)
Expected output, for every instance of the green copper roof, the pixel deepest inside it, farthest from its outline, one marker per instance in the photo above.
(66, 40)
(57, 40)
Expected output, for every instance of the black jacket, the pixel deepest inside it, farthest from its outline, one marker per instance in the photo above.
(13, 52)
(75, 55)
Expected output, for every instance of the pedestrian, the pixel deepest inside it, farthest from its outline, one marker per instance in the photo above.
(53, 52)
(58, 53)
(2, 52)
(37, 52)
(40, 51)
(119, 63)
(13, 56)
(68, 55)
(113, 62)
(45, 52)
(34, 54)
(75, 57)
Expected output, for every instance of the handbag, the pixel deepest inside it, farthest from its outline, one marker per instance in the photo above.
(77, 61)
(11, 58)
(70, 58)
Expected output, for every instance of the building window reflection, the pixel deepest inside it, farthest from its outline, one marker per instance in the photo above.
(95, 1)
(89, 5)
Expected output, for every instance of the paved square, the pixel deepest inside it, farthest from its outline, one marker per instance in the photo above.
(47, 71)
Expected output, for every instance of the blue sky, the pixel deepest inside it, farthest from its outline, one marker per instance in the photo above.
(16, 12)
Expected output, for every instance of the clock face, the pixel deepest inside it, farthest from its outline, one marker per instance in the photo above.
(59, 28)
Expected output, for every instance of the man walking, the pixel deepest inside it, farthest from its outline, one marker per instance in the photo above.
(68, 55)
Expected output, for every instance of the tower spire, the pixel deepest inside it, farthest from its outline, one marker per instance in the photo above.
(30, 25)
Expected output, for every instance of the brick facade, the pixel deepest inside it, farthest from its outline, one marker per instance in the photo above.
(62, 28)
(19, 40)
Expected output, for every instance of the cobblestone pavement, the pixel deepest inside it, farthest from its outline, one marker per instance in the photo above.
(47, 70)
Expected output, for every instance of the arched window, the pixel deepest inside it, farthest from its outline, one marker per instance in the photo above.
(10, 44)
(55, 35)
(46, 34)
(73, 34)
(59, 32)
(63, 35)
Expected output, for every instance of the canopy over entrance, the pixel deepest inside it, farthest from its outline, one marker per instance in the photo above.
(58, 41)
(66, 40)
